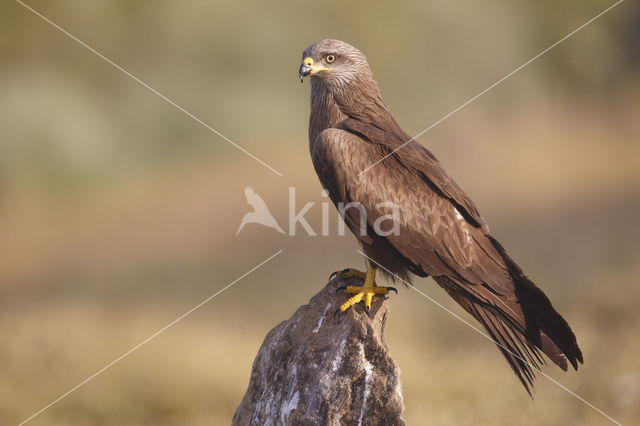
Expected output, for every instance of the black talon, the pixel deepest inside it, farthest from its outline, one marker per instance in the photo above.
(335, 314)
(337, 273)
(342, 287)
(392, 289)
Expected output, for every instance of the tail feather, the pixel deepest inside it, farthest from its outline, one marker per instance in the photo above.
(545, 327)
(523, 358)
(553, 352)
(523, 324)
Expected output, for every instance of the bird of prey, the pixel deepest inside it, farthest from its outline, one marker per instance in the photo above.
(441, 232)
(260, 213)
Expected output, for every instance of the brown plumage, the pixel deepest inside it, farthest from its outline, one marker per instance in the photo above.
(441, 233)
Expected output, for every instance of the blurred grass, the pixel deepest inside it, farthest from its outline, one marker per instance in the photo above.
(118, 213)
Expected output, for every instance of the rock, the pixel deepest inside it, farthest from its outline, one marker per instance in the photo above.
(314, 369)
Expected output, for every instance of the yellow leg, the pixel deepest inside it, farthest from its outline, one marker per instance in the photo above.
(366, 291)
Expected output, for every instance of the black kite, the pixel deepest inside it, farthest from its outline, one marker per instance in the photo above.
(441, 233)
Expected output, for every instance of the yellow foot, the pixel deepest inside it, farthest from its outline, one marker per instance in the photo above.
(366, 291)
(347, 273)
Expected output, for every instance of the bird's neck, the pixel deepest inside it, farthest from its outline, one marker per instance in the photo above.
(325, 112)
(361, 101)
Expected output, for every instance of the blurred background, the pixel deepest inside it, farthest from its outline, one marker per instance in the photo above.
(118, 212)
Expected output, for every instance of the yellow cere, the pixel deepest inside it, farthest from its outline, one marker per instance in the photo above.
(308, 61)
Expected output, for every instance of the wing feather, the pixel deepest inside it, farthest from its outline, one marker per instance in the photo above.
(442, 234)
(412, 154)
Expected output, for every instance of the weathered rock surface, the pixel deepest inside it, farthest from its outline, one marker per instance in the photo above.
(312, 369)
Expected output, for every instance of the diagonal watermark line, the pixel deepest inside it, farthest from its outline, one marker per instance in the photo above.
(493, 85)
(145, 85)
(136, 347)
(489, 337)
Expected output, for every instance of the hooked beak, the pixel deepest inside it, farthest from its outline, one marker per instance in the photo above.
(304, 71)
(309, 68)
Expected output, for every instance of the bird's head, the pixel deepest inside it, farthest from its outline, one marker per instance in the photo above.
(333, 62)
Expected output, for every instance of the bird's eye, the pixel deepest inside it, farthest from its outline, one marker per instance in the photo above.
(331, 58)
